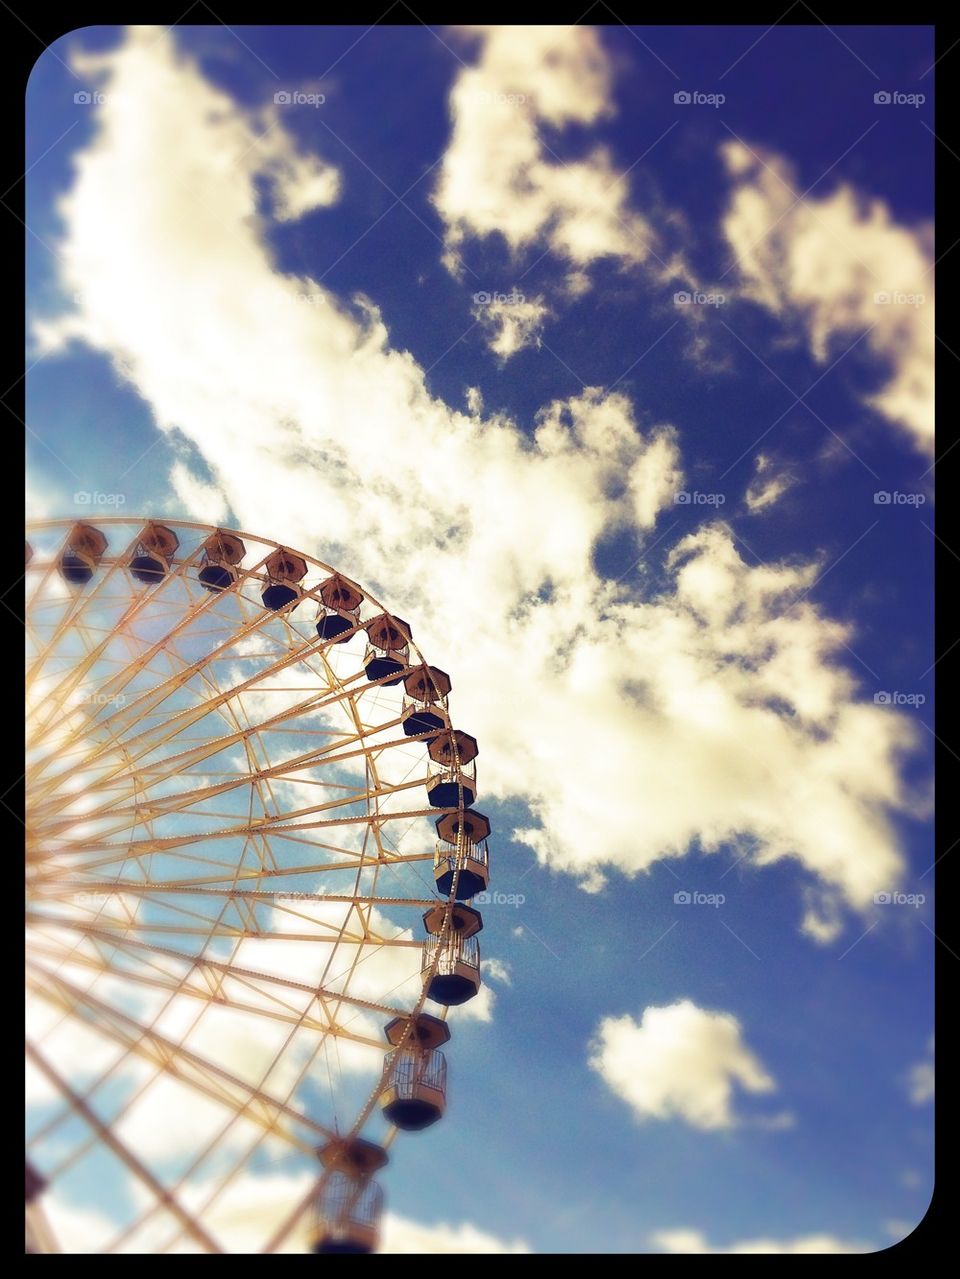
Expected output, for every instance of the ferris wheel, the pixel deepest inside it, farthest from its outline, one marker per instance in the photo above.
(251, 848)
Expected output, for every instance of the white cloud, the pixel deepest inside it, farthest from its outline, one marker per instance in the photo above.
(299, 181)
(400, 1235)
(77, 1230)
(768, 484)
(247, 1213)
(41, 505)
(822, 918)
(481, 1006)
(685, 1240)
(716, 701)
(832, 261)
(169, 1117)
(203, 501)
(922, 1079)
(496, 970)
(72, 1046)
(898, 1229)
(510, 321)
(679, 1062)
(500, 177)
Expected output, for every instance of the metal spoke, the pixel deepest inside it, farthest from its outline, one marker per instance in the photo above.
(199, 766)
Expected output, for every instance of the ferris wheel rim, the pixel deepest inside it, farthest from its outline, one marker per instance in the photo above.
(183, 562)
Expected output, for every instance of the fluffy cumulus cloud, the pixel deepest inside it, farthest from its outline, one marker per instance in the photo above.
(679, 1062)
(684, 1240)
(500, 177)
(768, 485)
(249, 1211)
(401, 1235)
(845, 267)
(169, 1115)
(510, 320)
(224, 1056)
(716, 701)
(205, 501)
(921, 1082)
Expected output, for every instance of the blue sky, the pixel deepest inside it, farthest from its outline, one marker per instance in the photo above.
(835, 1014)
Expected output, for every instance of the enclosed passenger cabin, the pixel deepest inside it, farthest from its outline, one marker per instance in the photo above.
(81, 554)
(35, 1183)
(339, 614)
(426, 684)
(425, 690)
(285, 571)
(36, 1235)
(349, 1205)
(389, 649)
(453, 748)
(419, 719)
(156, 547)
(451, 787)
(463, 867)
(451, 956)
(219, 564)
(452, 779)
(414, 1093)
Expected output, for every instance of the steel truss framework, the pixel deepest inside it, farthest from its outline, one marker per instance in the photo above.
(227, 859)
